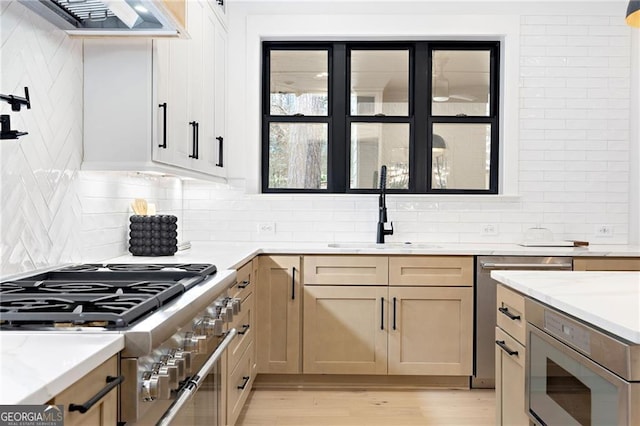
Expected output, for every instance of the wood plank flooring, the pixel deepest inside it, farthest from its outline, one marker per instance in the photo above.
(276, 407)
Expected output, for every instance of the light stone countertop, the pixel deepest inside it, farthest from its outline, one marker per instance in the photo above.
(608, 300)
(230, 255)
(35, 367)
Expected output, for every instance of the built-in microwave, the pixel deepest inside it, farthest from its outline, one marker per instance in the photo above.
(569, 378)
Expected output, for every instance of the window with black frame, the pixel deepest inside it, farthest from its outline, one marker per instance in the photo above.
(334, 113)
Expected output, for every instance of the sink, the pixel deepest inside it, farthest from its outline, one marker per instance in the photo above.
(388, 246)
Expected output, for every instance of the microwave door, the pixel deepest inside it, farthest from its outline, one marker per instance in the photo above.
(565, 387)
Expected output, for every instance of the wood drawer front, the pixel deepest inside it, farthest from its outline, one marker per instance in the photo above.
(512, 344)
(346, 270)
(244, 281)
(105, 411)
(239, 384)
(244, 323)
(431, 270)
(511, 303)
(606, 264)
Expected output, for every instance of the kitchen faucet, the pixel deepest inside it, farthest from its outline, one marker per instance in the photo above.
(382, 207)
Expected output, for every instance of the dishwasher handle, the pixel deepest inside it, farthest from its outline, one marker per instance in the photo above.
(526, 266)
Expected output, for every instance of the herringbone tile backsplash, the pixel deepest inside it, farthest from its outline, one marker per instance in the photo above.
(53, 213)
(40, 207)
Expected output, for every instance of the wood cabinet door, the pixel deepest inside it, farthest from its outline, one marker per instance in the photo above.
(105, 411)
(439, 271)
(278, 316)
(346, 270)
(510, 391)
(606, 264)
(345, 330)
(431, 331)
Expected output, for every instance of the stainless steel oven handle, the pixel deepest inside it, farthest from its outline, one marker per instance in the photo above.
(194, 383)
(492, 265)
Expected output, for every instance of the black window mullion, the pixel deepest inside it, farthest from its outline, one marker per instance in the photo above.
(338, 103)
(420, 144)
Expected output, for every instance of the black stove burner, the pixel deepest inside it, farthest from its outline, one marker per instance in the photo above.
(110, 311)
(112, 296)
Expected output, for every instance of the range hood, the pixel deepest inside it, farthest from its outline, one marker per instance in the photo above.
(151, 18)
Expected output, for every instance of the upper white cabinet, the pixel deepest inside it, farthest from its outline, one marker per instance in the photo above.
(159, 105)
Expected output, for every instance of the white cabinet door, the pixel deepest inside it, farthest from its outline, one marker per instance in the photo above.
(187, 83)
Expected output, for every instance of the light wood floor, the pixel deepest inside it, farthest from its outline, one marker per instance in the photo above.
(269, 407)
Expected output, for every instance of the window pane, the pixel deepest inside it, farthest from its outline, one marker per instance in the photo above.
(377, 144)
(299, 82)
(460, 82)
(461, 156)
(379, 82)
(298, 155)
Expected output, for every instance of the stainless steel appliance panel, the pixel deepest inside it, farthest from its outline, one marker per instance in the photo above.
(485, 306)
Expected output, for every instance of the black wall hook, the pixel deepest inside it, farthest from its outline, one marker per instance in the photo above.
(16, 101)
(6, 132)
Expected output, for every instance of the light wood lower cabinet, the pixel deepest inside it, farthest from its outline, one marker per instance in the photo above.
(279, 314)
(606, 264)
(431, 331)
(510, 358)
(345, 330)
(510, 372)
(381, 330)
(105, 411)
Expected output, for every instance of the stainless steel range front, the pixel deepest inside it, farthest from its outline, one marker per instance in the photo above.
(174, 320)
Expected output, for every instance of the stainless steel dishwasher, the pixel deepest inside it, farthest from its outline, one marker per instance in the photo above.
(485, 308)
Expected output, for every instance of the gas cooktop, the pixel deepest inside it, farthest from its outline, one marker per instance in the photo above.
(94, 295)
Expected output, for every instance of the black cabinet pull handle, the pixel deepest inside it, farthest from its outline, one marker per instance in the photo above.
(245, 328)
(506, 348)
(244, 284)
(112, 382)
(506, 312)
(293, 283)
(245, 380)
(194, 139)
(394, 313)
(382, 313)
(220, 162)
(164, 125)
(197, 151)
(220, 2)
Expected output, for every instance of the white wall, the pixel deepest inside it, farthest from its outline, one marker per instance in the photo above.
(51, 212)
(566, 140)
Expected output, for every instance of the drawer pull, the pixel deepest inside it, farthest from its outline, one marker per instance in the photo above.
(244, 284)
(394, 313)
(112, 382)
(245, 380)
(382, 313)
(245, 328)
(293, 283)
(505, 348)
(506, 312)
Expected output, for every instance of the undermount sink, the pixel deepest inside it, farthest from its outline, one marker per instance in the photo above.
(382, 246)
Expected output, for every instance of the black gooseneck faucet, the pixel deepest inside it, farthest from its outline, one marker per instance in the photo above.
(382, 208)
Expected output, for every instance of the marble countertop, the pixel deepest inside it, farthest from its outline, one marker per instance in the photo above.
(608, 300)
(230, 255)
(35, 367)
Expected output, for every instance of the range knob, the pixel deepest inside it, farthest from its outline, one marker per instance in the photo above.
(175, 365)
(195, 343)
(235, 304)
(185, 356)
(155, 386)
(211, 326)
(226, 314)
(170, 371)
